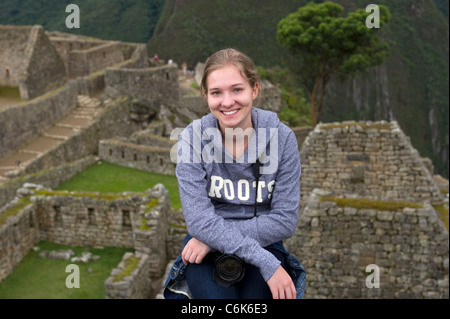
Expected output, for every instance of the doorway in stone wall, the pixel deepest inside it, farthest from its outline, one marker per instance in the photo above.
(9, 96)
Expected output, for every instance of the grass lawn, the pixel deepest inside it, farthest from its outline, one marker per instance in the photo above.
(43, 278)
(106, 177)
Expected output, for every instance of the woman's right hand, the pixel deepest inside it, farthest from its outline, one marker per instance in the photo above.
(281, 285)
(194, 252)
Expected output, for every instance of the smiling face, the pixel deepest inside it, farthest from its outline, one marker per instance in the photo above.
(230, 97)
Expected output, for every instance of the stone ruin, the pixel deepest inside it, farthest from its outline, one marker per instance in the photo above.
(367, 196)
(29, 61)
(131, 220)
(368, 199)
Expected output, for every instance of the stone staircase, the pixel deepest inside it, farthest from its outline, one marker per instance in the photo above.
(83, 115)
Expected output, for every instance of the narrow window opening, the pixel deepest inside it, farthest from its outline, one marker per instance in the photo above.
(57, 218)
(126, 219)
(91, 216)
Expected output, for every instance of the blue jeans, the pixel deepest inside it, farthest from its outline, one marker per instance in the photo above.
(176, 286)
(202, 285)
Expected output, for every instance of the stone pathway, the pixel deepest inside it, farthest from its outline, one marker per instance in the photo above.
(82, 116)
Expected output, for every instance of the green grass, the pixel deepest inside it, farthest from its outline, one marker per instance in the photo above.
(43, 278)
(111, 178)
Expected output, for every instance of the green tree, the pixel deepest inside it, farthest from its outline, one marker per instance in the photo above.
(322, 43)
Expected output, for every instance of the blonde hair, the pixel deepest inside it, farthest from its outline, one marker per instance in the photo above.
(240, 60)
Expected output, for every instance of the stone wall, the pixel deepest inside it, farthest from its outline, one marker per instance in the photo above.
(148, 88)
(45, 68)
(13, 61)
(270, 97)
(17, 236)
(29, 61)
(130, 279)
(336, 240)
(371, 159)
(177, 230)
(24, 121)
(64, 45)
(52, 177)
(143, 157)
(85, 62)
(134, 220)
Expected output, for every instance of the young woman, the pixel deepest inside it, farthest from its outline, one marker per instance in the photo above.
(239, 179)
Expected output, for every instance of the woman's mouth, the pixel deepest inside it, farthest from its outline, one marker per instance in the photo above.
(229, 113)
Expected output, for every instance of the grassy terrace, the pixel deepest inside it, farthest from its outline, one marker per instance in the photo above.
(43, 278)
(110, 178)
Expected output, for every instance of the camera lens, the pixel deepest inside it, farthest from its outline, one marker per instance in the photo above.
(229, 268)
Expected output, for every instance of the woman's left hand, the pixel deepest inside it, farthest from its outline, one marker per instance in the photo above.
(194, 252)
(281, 285)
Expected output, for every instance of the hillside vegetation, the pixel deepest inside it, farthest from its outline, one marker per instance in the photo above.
(411, 87)
(131, 20)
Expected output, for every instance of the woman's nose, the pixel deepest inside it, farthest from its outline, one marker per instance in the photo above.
(228, 100)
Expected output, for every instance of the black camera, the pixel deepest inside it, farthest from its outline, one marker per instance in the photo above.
(228, 269)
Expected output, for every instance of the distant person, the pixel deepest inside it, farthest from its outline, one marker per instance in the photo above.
(170, 61)
(184, 68)
(156, 58)
(238, 202)
(191, 70)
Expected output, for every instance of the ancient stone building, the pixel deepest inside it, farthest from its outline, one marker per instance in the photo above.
(29, 61)
(338, 238)
(367, 200)
(371, 159)
(133, 220)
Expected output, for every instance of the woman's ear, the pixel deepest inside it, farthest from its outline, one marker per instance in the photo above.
(255, 91)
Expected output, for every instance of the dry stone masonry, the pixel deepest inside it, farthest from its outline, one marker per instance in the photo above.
(337, 238)
(131, 220)
(371, 159)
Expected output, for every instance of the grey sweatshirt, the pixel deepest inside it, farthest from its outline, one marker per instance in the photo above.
(218, 192)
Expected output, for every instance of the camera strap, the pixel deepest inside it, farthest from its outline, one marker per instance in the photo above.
(256, 172)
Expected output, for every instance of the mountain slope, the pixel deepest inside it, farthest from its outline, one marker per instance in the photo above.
(411, 87)
(131, 20)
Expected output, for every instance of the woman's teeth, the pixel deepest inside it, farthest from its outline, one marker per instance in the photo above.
(230, 112)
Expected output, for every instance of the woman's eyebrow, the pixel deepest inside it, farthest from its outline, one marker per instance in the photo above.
(233, 85)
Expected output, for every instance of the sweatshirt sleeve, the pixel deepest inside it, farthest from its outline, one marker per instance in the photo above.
(208, 227)
(281, 222)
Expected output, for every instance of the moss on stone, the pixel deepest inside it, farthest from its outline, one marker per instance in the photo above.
(365, 203)
(150, 205)
(365, 126)
(130, 265)
(105, 197)
(23, 202)
(443, 212)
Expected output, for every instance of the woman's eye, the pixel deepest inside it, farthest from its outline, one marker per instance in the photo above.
(215, 93)
(237, 90)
